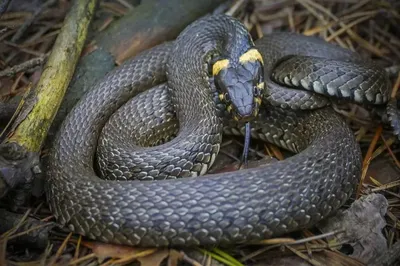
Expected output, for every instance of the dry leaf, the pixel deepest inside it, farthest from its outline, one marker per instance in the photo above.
(154, 259)
(174, 257)
(383, 169)
(103, 250)
(363, 223)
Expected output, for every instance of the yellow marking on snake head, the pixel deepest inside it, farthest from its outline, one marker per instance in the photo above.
(221, 96)
(261, 85)
(251, 55)
(229, 108)
(219, 65)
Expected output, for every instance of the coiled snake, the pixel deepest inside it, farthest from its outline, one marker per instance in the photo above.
(204, 70)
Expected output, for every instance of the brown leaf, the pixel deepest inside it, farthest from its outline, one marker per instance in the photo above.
(103, 250)
(174, 257)
(154, 259)
(363, 224)
(383, 170)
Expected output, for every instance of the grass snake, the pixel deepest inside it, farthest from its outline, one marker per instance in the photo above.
(188, 86)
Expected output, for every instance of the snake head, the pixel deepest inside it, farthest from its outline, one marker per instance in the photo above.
(240, 84)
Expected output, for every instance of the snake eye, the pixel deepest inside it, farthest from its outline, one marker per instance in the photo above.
(226, 97)
(256, 91)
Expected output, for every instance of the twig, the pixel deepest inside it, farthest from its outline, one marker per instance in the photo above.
(30, 20)
(392, 184)
(77, 249)
(22, 49)
(187, 259)
(30, 64)
(396, 86)
(348, 26)
(135, 256)
(126, 4)
(367, 159)
(258, 252)
(354, 7)
(311, 238)
(60, 250)
(82, 259)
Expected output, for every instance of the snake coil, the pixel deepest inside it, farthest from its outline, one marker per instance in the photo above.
(219, 209)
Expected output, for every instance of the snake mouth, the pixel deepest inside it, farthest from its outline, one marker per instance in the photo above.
(245, 113)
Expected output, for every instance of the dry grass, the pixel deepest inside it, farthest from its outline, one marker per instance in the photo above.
(366, 26)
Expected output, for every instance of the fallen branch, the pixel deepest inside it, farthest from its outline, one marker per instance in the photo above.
(57, 73)
(22, 147)
(30, 64)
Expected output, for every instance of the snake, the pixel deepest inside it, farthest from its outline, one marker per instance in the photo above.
(133, 183)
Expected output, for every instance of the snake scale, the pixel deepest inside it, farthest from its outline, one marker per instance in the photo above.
(176, 90)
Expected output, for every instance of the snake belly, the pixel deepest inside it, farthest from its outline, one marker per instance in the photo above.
(219, 209)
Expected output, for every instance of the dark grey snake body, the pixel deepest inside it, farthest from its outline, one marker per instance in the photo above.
(219, 209)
